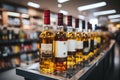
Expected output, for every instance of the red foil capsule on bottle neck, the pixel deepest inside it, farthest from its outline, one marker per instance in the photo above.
(47, 17)
(69, 19)
(60, 19)
(76, 23)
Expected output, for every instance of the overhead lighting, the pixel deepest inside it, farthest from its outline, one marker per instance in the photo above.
(62, 1)
(92, 6)
(81, 17)
(115, 20)
(104, 12)
(13, 14)
(35, 5)
(114, 16)
(59, 5)
(64, 12)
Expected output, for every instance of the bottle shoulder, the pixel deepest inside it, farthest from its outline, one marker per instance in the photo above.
(60, 35)
(46, 33)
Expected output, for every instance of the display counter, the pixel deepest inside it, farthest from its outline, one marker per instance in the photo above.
(32, 72)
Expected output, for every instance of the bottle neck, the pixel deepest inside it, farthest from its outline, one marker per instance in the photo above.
(69, 29)
(46, 27)
(83, 30)
(60, 28)
(89, 30)
(76, 30)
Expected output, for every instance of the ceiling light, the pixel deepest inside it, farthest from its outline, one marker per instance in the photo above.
(13, 14)
(62, 1)
(114, 16)
(35, 5)
(64, 12)
(59, 5)
(115, 20)
(104, 12)
(91, 6)
(81, 17)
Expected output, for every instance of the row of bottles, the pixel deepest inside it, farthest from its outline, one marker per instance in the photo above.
(63, 52)
(6, 34)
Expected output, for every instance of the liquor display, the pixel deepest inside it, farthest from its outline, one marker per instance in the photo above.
(71, 61)
(15, 46)
(60, 48)
(46, 46)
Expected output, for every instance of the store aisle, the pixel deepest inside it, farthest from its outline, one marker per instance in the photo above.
(10, 75)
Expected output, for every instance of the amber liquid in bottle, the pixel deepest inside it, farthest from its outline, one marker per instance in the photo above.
(60, 48)
(79, 45)
(71, 61)
(46, 47)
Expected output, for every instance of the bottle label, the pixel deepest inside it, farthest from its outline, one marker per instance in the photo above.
(60, 48)
(95, 42)
(79, 44)
(85, 44)
(86, 47)
(92, 45)
(71, 45)
(89, 42)
(46, 50)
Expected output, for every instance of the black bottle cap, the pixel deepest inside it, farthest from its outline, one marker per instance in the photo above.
(83, 24)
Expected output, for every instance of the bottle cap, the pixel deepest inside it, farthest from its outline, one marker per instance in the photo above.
(83, 24)
(60, 19)
(69, 19)
(76, 23)
(47, 17)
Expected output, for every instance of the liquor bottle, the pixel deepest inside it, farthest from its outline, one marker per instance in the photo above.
(95, 40)
(86, 46)
(60, 48)
(91, 41)
(46, 46)
(71, 45)
(79, 45)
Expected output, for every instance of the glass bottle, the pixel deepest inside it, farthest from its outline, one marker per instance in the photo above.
(86, 46)
(79, 45)
(71, 62)
(46, 46)
(60, 48)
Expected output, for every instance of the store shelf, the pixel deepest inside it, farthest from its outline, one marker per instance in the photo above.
(6, 55)
(18, 41)
(32, 72)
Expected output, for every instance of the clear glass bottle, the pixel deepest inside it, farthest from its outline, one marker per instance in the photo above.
(71, 61)
(91, 42)
(46, 46)
(79, 45)
(60, 48)
(86, 40)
